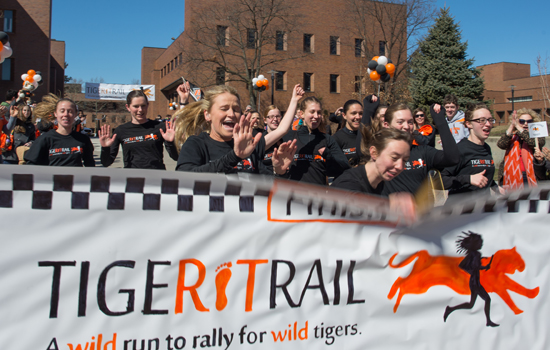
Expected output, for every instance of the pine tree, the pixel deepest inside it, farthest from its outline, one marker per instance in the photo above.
(440, 67)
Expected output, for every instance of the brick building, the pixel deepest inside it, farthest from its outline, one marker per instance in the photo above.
(28, 24)
(331, 65)
(501, 78)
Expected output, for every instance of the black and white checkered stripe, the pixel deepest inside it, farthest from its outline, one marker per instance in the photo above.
(231, 192)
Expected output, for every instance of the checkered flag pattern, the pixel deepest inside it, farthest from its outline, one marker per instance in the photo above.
(185, 192)
(528, 201)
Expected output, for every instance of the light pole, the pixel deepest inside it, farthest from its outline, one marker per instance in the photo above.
(512, 87)
(272, 85)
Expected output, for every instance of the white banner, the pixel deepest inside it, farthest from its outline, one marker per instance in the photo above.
(144, 259)
(118, 92)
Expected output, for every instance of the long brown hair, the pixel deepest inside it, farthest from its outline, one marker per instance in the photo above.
(380, 140)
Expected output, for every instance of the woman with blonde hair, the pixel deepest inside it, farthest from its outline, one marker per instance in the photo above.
(516, 170)
(213, 136)
(62, 146)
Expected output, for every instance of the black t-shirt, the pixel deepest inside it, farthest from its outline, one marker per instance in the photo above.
(355, 179)
(309, 165)
(416, 170)
(474, 159)
(347, 140)
(55, 149)
(203, 154)
(141, 146)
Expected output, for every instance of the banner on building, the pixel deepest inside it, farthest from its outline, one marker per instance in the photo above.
(145, 259)
(117, 92)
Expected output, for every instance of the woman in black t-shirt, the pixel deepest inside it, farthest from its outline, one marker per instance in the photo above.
(229, 145)
(346, 137)
(476, 167)
(61, 147)
(142, 139)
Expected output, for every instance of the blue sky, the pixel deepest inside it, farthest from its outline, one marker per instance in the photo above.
(104, 38)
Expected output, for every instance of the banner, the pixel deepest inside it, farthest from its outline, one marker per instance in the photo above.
(117, 259)
(117, 92)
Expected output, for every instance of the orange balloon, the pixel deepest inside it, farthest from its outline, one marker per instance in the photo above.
(259, 83)
(31, 72)
(267, 86)
(266, 82)
(1, 46)
(375, 58)
(390, 68)
(392, 74)
(29, 78)
(374, 75)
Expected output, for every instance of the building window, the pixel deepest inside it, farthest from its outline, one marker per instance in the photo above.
(334, 45)
(521, 99)
(308, 82)
(221, 36)
(359, 48)
(381, 48)
(171, 66)
(181, 58)
(220, 76)
(309, 43)
(7, 69)
(252, 36)
(176, 60)
(281, 42)
(280, 81)
(8, 21)
(334, 83)
(358, 84)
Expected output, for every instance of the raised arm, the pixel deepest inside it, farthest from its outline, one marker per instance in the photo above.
(450, 155)
(109, 145)
(286, 122)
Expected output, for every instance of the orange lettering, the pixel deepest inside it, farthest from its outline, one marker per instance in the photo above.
(251, 280)
(192, 289)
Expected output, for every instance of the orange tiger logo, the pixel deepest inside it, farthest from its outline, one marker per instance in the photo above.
(429, 271)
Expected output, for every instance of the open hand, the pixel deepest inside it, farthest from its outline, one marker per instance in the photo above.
(243, 141)
(284, 156)
(170, 133)
(105, 140)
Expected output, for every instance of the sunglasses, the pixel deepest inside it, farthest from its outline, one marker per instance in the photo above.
(523, 121)
(419, 115)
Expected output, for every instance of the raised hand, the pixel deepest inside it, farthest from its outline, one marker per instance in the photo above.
(170, 133)
(183, 91)
(243, 141)
(479, 179)
(105, 140)
(437, 108)
(297, 92)
(284, 156)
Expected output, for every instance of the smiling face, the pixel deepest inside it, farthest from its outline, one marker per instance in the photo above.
(420, 118)
(223, 115)
(479, 132)
(401, 120)
(390, 162)
(353, 116)
(27, 111)
(273, 119)
(526, 118)
(312, 115)
(65, 114)
(255, 120)
(450, 110)
(138, 110)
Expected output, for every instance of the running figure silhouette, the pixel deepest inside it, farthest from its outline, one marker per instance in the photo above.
(471, 243)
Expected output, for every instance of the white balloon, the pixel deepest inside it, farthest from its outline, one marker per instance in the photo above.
(7, 44)
(22, 95)
(7, 52)
(368, 70)
(261, 77)
(37, 77)
(254, 81)
(24, 76)
(35, 84)
(383, 60)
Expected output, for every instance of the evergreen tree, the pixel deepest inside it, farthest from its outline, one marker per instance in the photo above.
(439, 66)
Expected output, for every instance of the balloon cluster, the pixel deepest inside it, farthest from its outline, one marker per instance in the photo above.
(260, 83)
(5, 49)
(31, 80)
(173, 106)
(381, 68)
